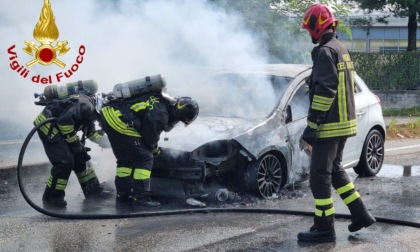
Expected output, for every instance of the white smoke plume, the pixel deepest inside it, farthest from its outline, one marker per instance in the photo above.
(124, 40)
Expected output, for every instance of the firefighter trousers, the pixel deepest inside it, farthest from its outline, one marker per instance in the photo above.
(134, 162)
(63, 161)
(326, 170)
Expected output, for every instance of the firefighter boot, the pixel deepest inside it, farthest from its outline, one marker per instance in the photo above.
(93, 190)
(322, 231)
(141, 196)
(53, 198)
(360, 215)
(364, 220)
(123, 202)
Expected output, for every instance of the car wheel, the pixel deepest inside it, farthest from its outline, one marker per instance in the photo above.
(264, 176)
(372, 156)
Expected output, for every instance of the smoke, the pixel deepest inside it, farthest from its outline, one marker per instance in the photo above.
(123, 40)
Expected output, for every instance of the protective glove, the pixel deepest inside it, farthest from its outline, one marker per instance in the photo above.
(79, 151)
(76, 148)
(156, 151)
(309, 135)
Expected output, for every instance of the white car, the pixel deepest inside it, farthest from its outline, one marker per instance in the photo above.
(247, 135)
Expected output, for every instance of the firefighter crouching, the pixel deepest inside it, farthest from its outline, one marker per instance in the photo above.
(133, 122)
(73, 105)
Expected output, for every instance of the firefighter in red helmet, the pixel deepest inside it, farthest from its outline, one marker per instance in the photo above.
(331, 120)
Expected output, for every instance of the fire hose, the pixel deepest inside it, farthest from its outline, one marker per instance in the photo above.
(169, 212)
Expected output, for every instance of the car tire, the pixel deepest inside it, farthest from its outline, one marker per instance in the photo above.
(372, 156)
(264, 177)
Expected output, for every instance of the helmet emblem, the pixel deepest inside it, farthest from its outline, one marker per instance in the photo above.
(320, 21)
(179, 106)
(306, 21)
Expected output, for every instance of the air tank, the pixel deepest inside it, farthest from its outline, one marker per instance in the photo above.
(61, 91)
(139, 86)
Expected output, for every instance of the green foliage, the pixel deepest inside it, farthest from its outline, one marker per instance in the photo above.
(389, 71)
(414, 111)
(399, 8)
(297, 9)
(276, 31)
(277, 23)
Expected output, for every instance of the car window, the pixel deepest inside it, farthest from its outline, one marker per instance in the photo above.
(299, 103)
(241, 95)
(357, 88)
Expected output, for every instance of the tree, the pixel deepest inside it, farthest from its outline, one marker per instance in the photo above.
(297, 9)
(277, 23)
(400, 8)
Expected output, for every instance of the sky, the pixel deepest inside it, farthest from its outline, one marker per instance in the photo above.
(121, 42)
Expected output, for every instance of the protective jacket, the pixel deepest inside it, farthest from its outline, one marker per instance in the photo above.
(134, 126)
(73, 114)
(331, 90)
(145, 117)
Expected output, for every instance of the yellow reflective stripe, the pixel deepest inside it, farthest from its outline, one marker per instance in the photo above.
(123, 172)
(312, 125)
(46, 127)
(141, 174)
(72, 139)
(321, 103)
(86, 175)
(95, 136)
(338, 125)
(351, 198)
(139, 106)
(336, 133)
(112, 117)
(61, 184)
(323, 202)
(49, 182)
(323, 99)
(342, 98)
(345, 188)
(328, 212)
(66, 129)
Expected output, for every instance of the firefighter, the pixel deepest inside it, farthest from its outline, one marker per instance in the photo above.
(64, 148)
(133, 126)
(331, 120)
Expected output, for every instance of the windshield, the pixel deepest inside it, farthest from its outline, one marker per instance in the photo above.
(241, 95)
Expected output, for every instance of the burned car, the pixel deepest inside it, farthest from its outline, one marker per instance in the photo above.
(247, 135)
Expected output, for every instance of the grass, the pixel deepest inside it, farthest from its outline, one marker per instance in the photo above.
(414, 111)
(410, 129)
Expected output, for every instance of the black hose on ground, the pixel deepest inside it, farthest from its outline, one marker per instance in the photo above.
(172, 212)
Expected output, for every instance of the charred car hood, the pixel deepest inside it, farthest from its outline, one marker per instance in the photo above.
(204, 130)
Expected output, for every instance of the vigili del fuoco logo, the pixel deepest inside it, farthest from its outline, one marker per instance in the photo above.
(46, 53)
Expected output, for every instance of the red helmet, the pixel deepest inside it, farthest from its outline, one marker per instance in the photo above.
(317, 18)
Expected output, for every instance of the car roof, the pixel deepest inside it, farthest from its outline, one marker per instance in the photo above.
(285, 70)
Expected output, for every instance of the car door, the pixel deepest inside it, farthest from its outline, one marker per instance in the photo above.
(297, 111)
(354, 144)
